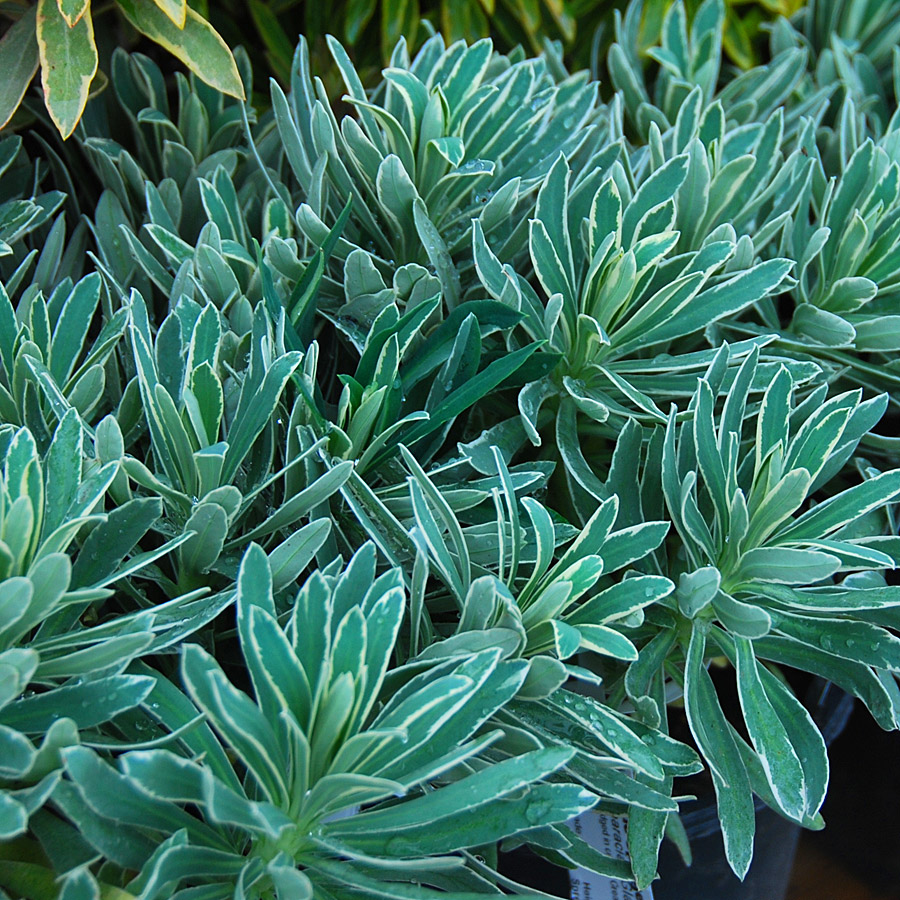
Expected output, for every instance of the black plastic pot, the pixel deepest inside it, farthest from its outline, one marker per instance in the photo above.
(863, 805)
(776, 838)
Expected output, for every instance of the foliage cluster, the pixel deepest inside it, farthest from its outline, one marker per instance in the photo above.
(380, 481)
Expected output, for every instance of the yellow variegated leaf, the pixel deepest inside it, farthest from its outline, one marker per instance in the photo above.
(73, 10)
(68, 64)
(198, 45)
(176, 10)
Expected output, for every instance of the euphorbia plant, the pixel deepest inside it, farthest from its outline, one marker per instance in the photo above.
(764, 577)
(316, 740)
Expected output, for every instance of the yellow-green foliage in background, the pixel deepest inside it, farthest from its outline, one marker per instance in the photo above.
(58, 36)
(371, 28)
(743, 21)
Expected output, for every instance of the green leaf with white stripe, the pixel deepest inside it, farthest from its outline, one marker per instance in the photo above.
(711, 732)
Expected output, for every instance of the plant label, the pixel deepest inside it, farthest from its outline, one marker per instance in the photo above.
(608, 835)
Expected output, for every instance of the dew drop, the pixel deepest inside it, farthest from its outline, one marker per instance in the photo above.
(536, 811)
